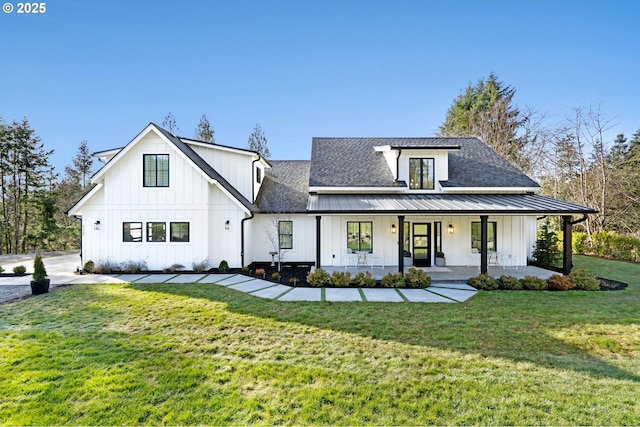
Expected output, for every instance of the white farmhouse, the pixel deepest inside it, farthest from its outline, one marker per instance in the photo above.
(167, 200)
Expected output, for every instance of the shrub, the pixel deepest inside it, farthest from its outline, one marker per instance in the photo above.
(318, 277)
(88, 266)
(200, 266)
(39, 272)
(293, 280)
(105, 267)
(245, 269)
(579, 242)
(1, 269)
(260, 271)
(340, 279)
(275, 276)
(133, 267)
(364, 280)
(393, 280)
(509, 283)
(533, 283)
(224, 266)
(584, 280)
(20, 269)
(483, 282)
(416, 278)
(173, 268)
(558, 282)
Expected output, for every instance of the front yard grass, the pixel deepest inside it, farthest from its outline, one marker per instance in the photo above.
(204, 354)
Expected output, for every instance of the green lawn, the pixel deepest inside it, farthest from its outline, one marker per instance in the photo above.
(203, 354)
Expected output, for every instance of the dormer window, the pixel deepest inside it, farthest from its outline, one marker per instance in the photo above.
(421, 176)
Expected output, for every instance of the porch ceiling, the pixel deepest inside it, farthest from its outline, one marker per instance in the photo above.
(442, 204)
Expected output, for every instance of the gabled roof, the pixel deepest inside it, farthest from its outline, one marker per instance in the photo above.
(285, 188)
(205, 168)
(354, 162)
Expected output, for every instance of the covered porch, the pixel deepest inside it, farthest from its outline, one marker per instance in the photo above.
(458, 274)
(484, 233)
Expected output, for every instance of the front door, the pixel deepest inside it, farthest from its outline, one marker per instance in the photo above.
(421, 248)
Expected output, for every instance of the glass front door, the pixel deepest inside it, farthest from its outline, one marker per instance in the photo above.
(421, 248)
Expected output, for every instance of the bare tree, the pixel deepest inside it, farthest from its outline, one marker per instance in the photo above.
(169, 123)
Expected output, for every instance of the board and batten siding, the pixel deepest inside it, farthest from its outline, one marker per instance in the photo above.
(258, 246)
(189, 198)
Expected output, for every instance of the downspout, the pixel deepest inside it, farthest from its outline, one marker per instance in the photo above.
(242, 237)
(81, 232)
(398, 164)
(253, 180)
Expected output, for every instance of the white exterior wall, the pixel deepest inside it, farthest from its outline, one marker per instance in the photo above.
(235, 167)
(514, 237)
(258, 246)
(189, 198)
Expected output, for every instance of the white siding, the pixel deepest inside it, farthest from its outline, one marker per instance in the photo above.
(258, 245)
(515, 237)
(189, 198)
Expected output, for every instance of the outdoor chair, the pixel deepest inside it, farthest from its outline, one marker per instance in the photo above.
(377, 260)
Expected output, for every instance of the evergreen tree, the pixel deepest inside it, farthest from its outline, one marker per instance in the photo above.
(486, 111)
(204, 131)
(258, 142)
(83, 162)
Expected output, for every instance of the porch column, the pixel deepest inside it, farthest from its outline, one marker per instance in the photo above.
(483, 244)
(401, 244)
(318, 218)
(567, 249)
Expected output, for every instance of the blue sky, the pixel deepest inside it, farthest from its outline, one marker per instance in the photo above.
(101, 70)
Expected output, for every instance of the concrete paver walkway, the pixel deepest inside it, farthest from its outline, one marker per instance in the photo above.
(61, 271)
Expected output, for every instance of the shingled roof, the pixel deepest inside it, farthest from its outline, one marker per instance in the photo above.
(353, 162)
(285, 188)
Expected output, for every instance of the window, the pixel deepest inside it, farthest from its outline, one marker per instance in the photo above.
(156, 170)
(179, 231)
(421, 174)
(285, 234)
(437, 236)
(360, 236)
(156, 232)
(132, 232)
(258, 175)
(492, 241)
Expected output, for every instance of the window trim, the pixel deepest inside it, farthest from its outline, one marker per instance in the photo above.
(132, 239)
(171, 238)
(150, 227)
(281, 234)
(432, 175)
(360, 236)
(144, 171)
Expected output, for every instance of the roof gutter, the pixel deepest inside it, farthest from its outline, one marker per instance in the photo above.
(584, 218)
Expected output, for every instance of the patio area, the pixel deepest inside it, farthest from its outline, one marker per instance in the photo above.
(458, 274)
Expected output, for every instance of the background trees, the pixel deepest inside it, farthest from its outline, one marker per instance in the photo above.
(258, 142)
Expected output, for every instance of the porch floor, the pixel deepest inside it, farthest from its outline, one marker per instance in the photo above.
(451, 274)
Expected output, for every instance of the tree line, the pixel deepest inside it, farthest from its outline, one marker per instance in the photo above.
(573, 159)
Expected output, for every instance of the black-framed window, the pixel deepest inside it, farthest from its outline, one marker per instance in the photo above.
(285, 234)
(437, 236)
(132, 232)
(156, 232)
(492, 236)
(360, 236)
(155, 170)
(421, 174)
(258, 175)
(179, 232)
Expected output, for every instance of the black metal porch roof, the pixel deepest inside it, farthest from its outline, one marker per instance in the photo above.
(443, 204)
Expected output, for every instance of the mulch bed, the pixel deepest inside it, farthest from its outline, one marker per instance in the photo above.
(611, 285)
(288, 271)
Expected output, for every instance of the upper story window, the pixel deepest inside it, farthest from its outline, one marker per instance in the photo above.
(421, 176)
(258, 175)
(156, 170)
